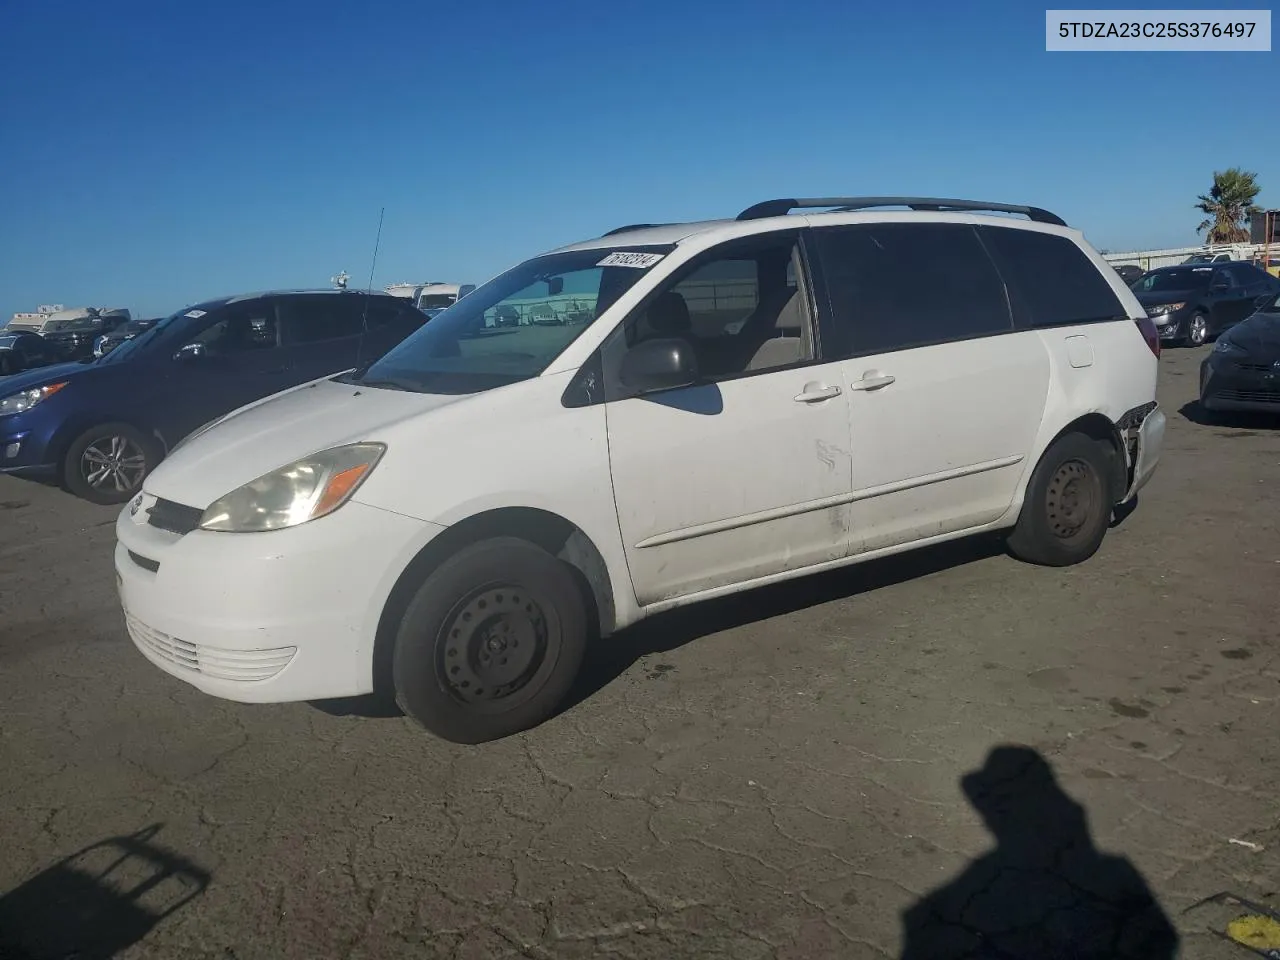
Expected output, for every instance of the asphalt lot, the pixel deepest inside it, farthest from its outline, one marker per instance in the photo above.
(774, 776)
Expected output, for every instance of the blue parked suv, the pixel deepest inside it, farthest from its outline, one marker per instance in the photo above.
(101, 425)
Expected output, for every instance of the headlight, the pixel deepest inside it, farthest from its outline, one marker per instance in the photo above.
(1226, 346)
(21, 402)
(1162, 309)
(304, 490)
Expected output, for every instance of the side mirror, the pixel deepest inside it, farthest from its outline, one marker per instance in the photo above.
(191, 351)
(659, 365)
(555, 286)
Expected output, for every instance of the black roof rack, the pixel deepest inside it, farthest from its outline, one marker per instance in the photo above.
(632, 226)
(780, 208)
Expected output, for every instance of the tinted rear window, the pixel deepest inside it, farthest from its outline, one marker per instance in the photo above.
(894, 286)
(1051, 281)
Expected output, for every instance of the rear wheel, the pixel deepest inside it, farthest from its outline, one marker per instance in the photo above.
(491, 642)
(108, 463)
(1068, 505)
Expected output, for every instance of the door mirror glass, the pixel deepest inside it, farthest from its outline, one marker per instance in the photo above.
(661, 364)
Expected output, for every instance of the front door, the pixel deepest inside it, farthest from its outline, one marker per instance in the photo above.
(240, 359)
(945, 396)
(745, 473)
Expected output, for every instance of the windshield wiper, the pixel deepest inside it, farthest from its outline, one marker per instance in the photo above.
(387, 385)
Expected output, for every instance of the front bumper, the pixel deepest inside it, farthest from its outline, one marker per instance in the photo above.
(24, 447)
(1170, 326)
(1245, 385)
(264, 617)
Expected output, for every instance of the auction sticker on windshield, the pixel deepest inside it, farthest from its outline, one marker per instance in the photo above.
(638, 260)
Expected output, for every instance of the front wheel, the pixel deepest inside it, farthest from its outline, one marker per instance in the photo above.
(1197, 329)
(1068, 504)
(491, 642)
(107, 464)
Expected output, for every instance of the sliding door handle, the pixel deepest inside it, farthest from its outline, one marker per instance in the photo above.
(816, 393)
(872, 382)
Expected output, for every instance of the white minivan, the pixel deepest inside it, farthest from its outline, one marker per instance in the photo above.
(811, 384)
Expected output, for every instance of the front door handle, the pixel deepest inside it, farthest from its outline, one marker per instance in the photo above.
(872, 381)
(816, 393)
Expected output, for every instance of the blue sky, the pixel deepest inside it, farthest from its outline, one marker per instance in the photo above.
(156, 153)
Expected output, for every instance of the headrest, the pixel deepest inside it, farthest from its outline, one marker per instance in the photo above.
(669, 315)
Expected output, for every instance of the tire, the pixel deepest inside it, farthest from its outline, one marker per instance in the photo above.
(488, 599)
(133, 452)
(1197, 330)
(1068, 505)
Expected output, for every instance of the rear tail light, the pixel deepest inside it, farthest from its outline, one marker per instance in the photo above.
(1150, 334)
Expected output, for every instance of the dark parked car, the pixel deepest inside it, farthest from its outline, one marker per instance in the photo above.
(1242, 373)
(126, 331)
(1192, 304)
(1129, 273)
(22, 350)
(101, 425)
(74, 339)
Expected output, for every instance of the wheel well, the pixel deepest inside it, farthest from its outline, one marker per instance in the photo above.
(551, 532)
(1098, 427)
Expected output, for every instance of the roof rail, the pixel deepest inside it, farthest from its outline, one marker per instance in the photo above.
(632, 226)
(780, 208)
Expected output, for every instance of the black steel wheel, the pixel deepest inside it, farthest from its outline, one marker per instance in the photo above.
(491, 642)
(1068, 504)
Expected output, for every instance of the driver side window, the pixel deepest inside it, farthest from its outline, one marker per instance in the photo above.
(741, 308)
(241, 327)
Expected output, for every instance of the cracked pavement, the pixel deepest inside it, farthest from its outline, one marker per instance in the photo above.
(776, 775)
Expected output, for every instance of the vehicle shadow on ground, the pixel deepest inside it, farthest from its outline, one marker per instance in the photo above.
(1193, 411)
(608, 659)
(97, 902)
(1045, 890)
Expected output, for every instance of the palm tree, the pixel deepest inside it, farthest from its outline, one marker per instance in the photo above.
(1228, 206)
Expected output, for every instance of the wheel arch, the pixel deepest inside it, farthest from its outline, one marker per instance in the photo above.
(1099, 426)
(558, 536)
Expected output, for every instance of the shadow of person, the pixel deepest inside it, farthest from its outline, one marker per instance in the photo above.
(1045, 892)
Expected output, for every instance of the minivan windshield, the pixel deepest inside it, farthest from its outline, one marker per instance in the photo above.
(512, 327)
(1175, 278)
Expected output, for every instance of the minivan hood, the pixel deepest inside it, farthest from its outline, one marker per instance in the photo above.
(274, 432)
(29, 379)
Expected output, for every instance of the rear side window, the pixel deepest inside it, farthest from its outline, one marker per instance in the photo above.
(1051, 281)
(312, 318)
(894, 286)
(392, 312)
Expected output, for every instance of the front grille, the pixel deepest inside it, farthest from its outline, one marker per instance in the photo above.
(1258, 367)
(174, 517)
(216, 662)
(1249, 396)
